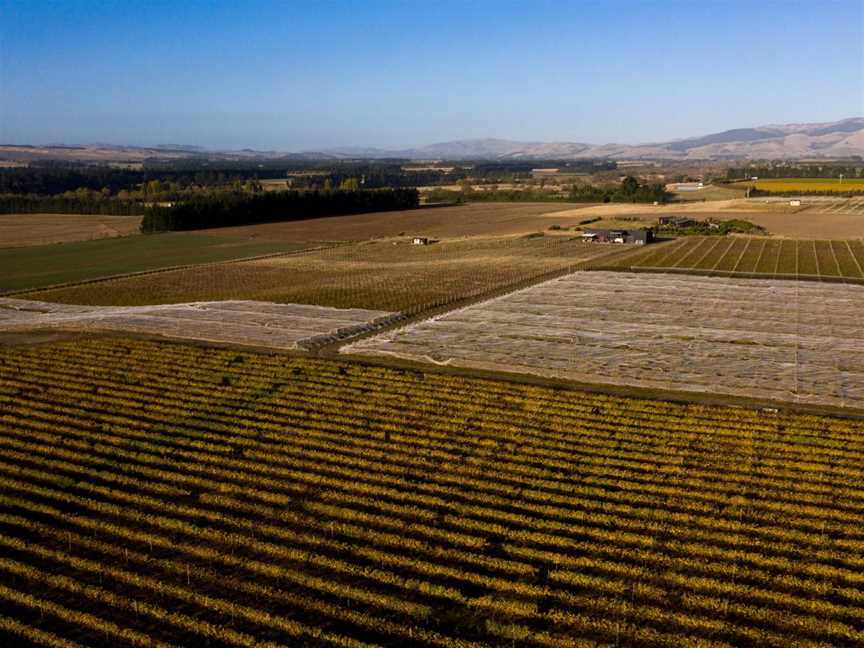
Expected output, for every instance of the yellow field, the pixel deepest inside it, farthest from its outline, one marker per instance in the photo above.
(809, 184)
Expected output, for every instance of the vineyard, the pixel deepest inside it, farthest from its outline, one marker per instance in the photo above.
(385, 275)
(753, 256)
(275, 326)
(775, 340)
(159, 494)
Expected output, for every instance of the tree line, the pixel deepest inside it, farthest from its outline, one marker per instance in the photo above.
(13, 204)
(226, 209)
(630, 190)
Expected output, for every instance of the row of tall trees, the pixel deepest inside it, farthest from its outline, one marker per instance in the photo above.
(226, 209)
(79, 203)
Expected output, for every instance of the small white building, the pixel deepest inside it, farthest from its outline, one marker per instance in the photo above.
(794, 203)
(420, 240)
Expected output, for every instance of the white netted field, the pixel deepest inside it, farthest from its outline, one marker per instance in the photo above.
(280, 326)
(779, 340)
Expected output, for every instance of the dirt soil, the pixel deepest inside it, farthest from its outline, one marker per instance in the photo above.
(477, 219)
(24, 230)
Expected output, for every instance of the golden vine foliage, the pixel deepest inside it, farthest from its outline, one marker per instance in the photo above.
(147, 500)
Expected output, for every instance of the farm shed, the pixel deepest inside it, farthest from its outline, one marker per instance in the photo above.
(635, 237)
(420, 240)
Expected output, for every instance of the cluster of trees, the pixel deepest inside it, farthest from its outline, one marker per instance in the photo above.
(795, 171)
(703, 228)
(628, 191)
(225, 209)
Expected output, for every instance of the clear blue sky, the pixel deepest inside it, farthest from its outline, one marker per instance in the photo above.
(306, 75)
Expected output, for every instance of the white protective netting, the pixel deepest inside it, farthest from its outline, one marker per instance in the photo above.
(779, 340)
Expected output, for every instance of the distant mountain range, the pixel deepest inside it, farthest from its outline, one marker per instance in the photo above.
(839, 139)
(821, 140)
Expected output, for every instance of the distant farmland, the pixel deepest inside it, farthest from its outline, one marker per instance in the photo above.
(785, 185)
(759, 256)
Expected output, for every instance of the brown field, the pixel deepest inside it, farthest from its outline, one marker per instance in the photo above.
(478, 219)
(24, 230)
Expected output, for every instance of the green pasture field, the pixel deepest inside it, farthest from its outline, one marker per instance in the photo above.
(47, 265)
(753, 255)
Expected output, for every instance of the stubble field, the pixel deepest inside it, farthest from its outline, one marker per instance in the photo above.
(159, 494)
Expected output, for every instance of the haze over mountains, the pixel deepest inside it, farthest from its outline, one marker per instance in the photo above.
(839, 139)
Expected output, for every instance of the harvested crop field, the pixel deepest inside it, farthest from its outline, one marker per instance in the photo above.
(386, 275)
(790, 341)
(159, 494)
(477, 219)
(23, 230)
(279, 326)
(763, 257)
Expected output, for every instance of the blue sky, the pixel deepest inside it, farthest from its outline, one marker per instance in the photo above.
(310, 75)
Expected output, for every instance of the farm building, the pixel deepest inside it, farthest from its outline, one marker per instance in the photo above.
(635, 237)
(421, 240)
